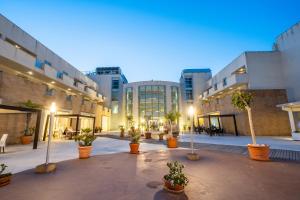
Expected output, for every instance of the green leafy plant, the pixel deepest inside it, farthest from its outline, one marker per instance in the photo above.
(242, 101)
(30, 104)
(135, 136)
(172, 117)
(2, 169)
(29, 131)
(85, 138)
(175, 175)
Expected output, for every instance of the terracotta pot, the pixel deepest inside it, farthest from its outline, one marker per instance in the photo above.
(134, 148)
(172, 142)
(5, 180)
(84, 151)
(148, 135)
(259, 152)
(161, 136)
(177, 188)
(26, 139)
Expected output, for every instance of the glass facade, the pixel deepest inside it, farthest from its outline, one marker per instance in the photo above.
(129, 103)
(152, 102)
(115, 93)
(175, 98)
(188, 87)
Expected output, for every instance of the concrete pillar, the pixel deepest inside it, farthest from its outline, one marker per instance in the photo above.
(292, 121)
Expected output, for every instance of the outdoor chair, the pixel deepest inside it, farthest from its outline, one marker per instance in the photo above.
(3, 142)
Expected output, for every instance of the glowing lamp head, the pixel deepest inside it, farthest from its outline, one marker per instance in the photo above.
(191, 111)
(53, 107)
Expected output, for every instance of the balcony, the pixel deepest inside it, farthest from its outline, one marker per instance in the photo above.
(50, 71)
(90, 92)
(232, 81)
(17, 55)
(68, 80)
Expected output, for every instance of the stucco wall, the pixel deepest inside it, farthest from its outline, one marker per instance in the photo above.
(288, 43)
(267, 118)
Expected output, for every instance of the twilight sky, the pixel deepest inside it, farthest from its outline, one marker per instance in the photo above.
(152, 39)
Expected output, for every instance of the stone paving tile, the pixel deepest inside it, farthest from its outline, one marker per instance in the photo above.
(275, 154)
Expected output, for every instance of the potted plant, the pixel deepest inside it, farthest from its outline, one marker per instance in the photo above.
(27, 137)
(122, 131)
(4, 177)
(148, 133)
(242, 100)
(161, 136)
(171, 117)
(134, 144)
(98, 129)
(85, 140)
(175, 180)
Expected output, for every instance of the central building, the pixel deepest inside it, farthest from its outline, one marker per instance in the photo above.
(150, 101)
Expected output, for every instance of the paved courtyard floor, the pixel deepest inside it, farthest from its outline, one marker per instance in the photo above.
(23, 157)
(122, 176)
(284, 143)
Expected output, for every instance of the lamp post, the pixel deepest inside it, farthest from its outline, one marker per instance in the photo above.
(193, 155)
(48, 167)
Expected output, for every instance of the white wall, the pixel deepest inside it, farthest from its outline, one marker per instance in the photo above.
(264, 70)
(288, 43)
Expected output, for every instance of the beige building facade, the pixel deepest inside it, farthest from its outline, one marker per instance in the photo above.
(29, 71)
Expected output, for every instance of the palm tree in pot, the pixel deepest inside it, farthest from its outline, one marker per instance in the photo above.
(242, 100)
(4, 177)
(135, 141)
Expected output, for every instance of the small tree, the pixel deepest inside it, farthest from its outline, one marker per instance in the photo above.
(172, 117)
(130, 122)
(242, 101)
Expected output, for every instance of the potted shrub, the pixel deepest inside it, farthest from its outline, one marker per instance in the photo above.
(134, 144)
(122, 131)
(148, 133)
(98, 129)
(4, 177)
(242, 101)
(161, 136)
(85, 140)
(175, 180)
(171, 117)
(27, 137)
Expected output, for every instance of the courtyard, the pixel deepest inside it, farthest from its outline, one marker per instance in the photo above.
(217, 175)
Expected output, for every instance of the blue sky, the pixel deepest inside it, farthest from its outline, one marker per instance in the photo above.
(152, 39)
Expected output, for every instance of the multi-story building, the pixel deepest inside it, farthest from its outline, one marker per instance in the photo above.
(288, 44)
(110, 82)
(192, 83)
(150, 101)
(272, 77)
(30, 72)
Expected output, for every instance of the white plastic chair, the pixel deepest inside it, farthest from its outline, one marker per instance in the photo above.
(3, 142)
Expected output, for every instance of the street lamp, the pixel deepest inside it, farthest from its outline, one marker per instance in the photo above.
(48, 167)
(193, 155)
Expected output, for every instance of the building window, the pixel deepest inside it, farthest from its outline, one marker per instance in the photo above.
(174, 99)
(49, 91)
(115, 84)
(215, 86)
(188, 94)
(39, 64)
(59, 75)
(152, 102)
(188, 83)
(188, 86)
(47, 62)
(224, 81)
(69, 98)
(129, 101)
